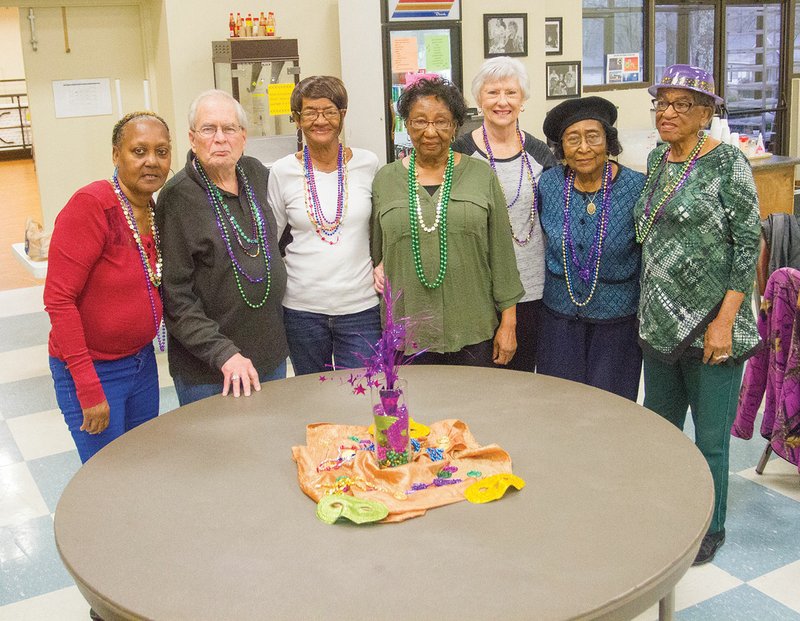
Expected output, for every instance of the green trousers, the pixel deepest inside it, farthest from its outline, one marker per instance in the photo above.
(712, 393)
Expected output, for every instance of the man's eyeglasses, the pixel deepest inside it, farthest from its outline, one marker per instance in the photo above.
(207, 131)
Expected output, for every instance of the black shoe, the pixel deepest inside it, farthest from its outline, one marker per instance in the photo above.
(94, 616)
(708, 548)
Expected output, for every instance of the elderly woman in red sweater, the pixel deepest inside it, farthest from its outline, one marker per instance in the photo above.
(101, 292)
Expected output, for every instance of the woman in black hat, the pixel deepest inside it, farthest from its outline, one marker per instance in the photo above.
(591, 287)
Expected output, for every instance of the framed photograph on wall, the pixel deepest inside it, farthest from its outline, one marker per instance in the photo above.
(563, 79)
(552, 36)
(505, 34)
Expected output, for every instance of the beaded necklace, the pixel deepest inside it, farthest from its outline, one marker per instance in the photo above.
(325, 228)
(152, 278)
(221, 213)
(248, 243)
(586, 272)
(442, 199)
(645, 225)
(415, 217)
(525, 166)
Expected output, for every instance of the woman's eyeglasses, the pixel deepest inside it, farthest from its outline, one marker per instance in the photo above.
(310, 114)
(681, 106)
(575, 140)
(439, 125)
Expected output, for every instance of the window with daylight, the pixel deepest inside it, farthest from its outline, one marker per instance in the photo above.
(684, 33)
(753, 69)
(612, 27)
(796, 42)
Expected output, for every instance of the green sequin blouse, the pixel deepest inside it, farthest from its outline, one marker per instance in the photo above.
(704, 243)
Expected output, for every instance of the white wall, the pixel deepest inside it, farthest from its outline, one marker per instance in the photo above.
(313, 22)
(11, 66)
(362, 73)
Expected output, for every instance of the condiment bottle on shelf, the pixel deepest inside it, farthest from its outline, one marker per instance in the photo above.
(239, 25)
(262, 25)
(271, 24)
(232, 25)
(248, 25)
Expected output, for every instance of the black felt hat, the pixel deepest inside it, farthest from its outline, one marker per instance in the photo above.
(573, 110)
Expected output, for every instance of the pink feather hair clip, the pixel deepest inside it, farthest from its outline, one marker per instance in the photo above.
(413, 78)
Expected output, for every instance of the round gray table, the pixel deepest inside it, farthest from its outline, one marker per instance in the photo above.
(198, 515)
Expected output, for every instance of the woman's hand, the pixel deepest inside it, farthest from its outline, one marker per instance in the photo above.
(718, 341)
(505, 339)
(95, 418)
(239, 374)
(378, 278)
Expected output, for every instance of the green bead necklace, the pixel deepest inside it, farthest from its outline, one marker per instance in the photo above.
(415, 217)
(644, 225)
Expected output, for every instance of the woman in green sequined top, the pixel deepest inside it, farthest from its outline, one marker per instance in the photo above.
(698, 222)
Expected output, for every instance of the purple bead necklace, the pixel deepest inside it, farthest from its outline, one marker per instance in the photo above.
(525, 166)
(587, 272)
(220, 210)
(325, 228)
(650, 214)
(152, 279)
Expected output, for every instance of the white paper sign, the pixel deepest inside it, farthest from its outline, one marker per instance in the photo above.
(89, 97)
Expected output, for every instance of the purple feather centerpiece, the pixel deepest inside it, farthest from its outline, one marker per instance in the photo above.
(389, 396)
(388, 391)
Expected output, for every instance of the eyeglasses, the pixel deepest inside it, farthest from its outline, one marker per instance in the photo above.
(594, 139)
(311, 114)
(681, 106)
(207, 131)
(439, 125)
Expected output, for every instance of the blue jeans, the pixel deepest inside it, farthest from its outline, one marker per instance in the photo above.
(131, 388)
(189, 393)
(317, 342)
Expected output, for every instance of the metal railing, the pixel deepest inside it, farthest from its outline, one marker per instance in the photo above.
(15, 126)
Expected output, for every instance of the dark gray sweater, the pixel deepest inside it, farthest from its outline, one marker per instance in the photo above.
(206, 317)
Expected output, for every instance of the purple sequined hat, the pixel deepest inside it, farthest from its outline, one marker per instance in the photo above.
(688, 77)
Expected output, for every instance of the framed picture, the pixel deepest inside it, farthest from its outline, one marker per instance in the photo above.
(552, 36)
(505, 34)
(623, 68)
(563, 79)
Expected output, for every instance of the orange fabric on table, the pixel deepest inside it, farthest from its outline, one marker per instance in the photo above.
(460, 448)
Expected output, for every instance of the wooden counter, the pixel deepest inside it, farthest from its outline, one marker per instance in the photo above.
(774, 177)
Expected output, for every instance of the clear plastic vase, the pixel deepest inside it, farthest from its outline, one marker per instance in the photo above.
(390, 414)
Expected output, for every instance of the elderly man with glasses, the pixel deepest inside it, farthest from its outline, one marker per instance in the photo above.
(224, 278)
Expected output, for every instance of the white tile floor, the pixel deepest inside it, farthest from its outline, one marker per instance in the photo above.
(754, 576)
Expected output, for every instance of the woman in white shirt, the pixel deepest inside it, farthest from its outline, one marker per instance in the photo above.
(324, 194)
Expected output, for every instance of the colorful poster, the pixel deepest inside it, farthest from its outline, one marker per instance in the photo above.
(437, 52)
(405, 57)
(405, 10)
(622, 68)
(279, 96)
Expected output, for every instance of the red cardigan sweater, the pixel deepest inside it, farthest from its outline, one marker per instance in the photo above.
(96, 292)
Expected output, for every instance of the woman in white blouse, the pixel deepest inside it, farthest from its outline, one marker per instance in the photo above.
(324, 194)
